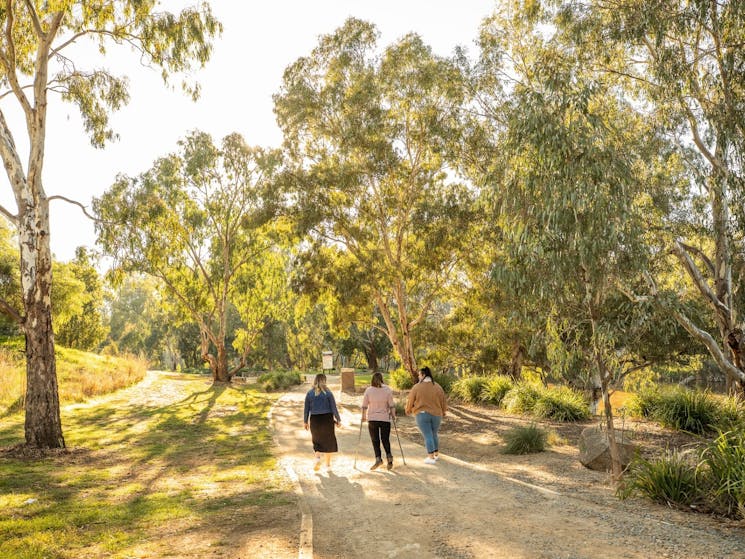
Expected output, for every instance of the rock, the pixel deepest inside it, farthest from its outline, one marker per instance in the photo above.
(594, 449)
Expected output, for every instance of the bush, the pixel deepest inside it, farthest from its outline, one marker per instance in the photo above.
(525, 440)
(401, 379)
(278, 380)
(687, 410)
(669, 480)
(522, 398)
(469, 389)
(731, 413)
(723, 464)
(679, 408)
(561, 404)
(495, 389)
(446, 380)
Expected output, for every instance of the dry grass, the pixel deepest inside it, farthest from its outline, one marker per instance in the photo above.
(80, 375)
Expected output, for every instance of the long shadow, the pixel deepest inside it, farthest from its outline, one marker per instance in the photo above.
(180, 436)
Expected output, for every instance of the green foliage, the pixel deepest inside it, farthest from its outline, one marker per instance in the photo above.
(445, 380)
(723, 467)
(522, 398)
(279, 380)
(731, 412)
(220, 199)
(401, 379)
(495, 389)
(525, 440)
(678, 408)
(671, 479)
(469, 389)
(561, 404)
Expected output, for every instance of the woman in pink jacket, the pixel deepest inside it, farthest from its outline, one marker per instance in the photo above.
(378, 408)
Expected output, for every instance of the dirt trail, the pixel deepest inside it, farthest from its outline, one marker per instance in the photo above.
(462, 511)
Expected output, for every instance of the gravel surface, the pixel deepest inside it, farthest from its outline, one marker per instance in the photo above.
(477, 502)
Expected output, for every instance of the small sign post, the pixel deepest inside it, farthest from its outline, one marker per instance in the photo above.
(328, 360)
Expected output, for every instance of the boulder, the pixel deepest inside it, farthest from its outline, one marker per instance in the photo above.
(594, 448)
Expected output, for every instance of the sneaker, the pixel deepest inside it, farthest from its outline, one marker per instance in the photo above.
(317, 465)
(437, 457)
(429, 460)
(378, 463)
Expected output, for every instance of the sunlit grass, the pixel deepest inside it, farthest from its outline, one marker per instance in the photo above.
(141, 466)
(80, 375)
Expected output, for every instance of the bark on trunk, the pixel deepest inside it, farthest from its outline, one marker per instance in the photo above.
(43, 426)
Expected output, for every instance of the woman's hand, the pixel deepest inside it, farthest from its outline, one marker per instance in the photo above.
(306, 426)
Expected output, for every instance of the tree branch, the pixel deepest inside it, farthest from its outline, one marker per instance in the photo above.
(693, 271)
(6, 308)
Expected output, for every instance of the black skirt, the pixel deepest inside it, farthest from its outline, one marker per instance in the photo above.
(322, 432)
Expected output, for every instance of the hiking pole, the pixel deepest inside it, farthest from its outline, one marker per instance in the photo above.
(399, 439)
(357, 448)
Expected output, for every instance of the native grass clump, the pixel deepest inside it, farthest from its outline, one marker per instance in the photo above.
(679, 408)
(525, 439)
(279, 380)
(711, 480)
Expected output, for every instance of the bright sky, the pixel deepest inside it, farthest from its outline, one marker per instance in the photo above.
(260, 39)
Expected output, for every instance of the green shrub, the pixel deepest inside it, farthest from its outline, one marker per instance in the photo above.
(723, 465)
(495, 389)
(401, 379)
(400, 408)
(525, 440)
(522, 397)
(688, 410)
(469, 389)
(446, 380)
(678, 408)
(279, 380)
(671, 479)
(561, 404)
(731, 413)
(645, 403)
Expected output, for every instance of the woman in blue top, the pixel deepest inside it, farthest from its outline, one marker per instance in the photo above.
(320, 415)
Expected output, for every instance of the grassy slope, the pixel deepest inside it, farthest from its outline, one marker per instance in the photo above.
(173, 462)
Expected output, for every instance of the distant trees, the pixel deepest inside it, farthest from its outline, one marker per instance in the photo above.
(198, 221)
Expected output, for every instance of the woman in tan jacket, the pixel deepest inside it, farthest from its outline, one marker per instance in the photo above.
(427, 402)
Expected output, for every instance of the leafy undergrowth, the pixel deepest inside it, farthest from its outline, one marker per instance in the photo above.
(181, 463)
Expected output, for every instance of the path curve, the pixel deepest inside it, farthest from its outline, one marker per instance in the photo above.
(457, 510)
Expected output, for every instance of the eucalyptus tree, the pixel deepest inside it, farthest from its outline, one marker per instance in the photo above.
(569, 170)
(38, 65)
(684, 61)
(196, 221)
(371, 133)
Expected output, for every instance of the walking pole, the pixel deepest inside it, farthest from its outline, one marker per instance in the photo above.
(399, 439)
(357, 448)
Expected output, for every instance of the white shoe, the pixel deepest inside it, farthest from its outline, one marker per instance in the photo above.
(437, 457)
(429, 460)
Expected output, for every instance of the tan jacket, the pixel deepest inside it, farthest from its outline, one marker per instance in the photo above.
(426, 396)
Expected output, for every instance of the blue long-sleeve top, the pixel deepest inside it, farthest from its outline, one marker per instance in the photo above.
(318, 404)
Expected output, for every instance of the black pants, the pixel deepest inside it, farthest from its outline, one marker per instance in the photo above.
(380, 432)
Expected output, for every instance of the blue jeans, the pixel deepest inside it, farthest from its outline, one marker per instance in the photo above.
(429, 425)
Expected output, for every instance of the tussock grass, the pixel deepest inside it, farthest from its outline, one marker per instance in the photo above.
(695, 411)
(80, 375)
(527, 439)
(670, 480)
(279, 380)
(182, 459)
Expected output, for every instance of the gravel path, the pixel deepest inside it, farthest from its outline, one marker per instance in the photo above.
(461, 511)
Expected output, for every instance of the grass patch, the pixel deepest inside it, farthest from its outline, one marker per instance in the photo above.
(80, 375)
(526, 439)
(186, 454)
